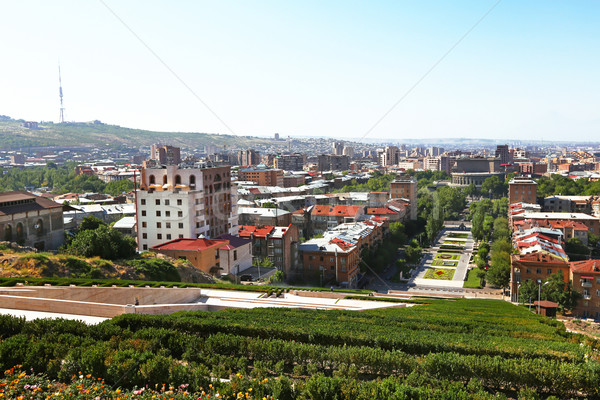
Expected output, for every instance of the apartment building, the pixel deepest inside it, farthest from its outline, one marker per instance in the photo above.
(279, 244)
(166, 155)
(405, 188)
(325, 217)
(522, 190)
(249, 157)
(585, 276)
(176, 202)
(329, 162)
(261, 175)
(289, 162)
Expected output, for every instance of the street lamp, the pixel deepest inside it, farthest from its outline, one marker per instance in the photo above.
(518, 287)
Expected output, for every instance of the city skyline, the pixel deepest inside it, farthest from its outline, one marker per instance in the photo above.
(498, 70)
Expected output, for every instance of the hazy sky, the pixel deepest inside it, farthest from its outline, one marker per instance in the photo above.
(529, 70)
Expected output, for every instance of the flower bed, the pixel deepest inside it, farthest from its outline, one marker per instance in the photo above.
(455, 242)
(447, 256)
(440, 273)
(451, 247)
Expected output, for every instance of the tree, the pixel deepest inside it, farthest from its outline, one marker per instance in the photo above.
(116, 188)
(528, 291)
(499, 275)
(557, 290)
(103, 242)
(494, 185)
(413, 252)
(397, 232)
(576, 249)
(90, 223)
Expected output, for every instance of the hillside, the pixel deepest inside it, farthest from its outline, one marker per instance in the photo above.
(463, 349)
(14, 136)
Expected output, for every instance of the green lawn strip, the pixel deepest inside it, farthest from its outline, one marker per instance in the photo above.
(472, 281)
(455, 242)
(440, 273)
(458, 235)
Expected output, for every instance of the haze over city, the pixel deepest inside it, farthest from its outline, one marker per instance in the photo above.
(473, 69)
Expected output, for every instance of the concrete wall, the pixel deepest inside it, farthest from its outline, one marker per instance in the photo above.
(108, 295)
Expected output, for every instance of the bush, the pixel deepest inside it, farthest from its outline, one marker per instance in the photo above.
(103, 242)
(156, 269)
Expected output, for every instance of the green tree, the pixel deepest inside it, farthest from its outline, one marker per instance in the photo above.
(116, 188)
(576, 249)
(494, 185)
(90, 223)
(528, 291)
(103, 242)
(413, 252)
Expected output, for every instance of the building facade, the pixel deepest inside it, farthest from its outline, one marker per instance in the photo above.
(175, 203)
(522, 190)
(261, 176)
(405, 188)
(31, 220)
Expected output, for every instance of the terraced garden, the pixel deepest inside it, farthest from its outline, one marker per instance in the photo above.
(463, 349)
(444, 263)
(447, 256)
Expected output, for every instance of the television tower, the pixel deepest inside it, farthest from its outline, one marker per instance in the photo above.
(61, 118)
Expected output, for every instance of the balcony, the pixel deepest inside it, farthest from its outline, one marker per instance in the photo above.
(587, 296)
(586, 284)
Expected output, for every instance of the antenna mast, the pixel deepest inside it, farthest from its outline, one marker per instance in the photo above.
(61, 118)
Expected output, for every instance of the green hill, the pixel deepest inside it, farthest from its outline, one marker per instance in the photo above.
(90, 134)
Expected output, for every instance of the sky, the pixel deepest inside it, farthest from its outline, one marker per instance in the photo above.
(347, 69)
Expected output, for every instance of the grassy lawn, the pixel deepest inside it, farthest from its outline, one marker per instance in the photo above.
(451, 247)
(439, 273)
(447, 256)
(444, 263)
(455, 242)
(458, 235)
(472, 280)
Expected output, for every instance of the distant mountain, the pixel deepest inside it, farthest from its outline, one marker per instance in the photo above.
(13, 135)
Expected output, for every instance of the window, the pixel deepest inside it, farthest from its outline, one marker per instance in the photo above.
(157, 202)
(234, 255)
(167, 213)
(143, 213)
(181, 225)
(180, 214)
(168, 225)
(331, 259)
(216, 253)
(179, 202)
(528, 270)
(158, 225)
(538, 271)
(321, 258)
(167, 202)
(145, 247)
(180, 236)
(159, 236)
(168, 236)
(158, 213)
(143, 202)
(144, 224)
(549, 271)
(144, 236)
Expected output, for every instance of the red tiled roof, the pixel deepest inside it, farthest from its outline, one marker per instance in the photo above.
(586, 267)
(246, 231)
(189, 244)
(335, 211)
(379, 211)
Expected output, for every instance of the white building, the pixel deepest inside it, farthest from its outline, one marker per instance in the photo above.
(185, 202)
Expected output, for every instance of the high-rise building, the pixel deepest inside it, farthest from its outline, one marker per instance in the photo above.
(328, 162)
(348, 151)
(337, 148)
(405, 188)
(503, 153)
(189, 201)
(439, 163)
(249, 157)
(388, 156)
(289, 162)
(522, 190)
(165, 155)
(435, 151)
